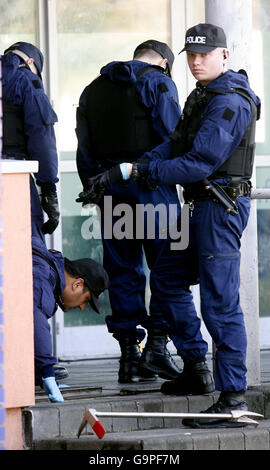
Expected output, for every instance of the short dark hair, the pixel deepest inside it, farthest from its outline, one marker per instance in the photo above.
(69, 268)
(148, 52)
(160, 48)
(94, 275)
(151, 54)
(72, 273)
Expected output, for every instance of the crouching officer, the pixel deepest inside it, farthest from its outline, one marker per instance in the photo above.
(129, 109)
(61, 282)
(28, 129)
(212, 154)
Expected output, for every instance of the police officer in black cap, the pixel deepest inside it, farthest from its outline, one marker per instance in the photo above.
(211, 156)
(130, 108)
(28, 129)
(68, 284)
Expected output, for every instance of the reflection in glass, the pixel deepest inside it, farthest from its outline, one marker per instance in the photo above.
(263, 224)
(93, 34)
(76, 243)
(89, 36)
(18, 22)
(260, 68)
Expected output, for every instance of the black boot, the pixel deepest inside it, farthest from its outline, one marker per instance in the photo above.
(156, 357)
(129, 362)
(227, 401)
(60, 372)
(196, 379)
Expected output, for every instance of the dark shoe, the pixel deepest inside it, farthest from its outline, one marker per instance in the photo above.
(156, 358)
(196, 379)
(129, 362)
(227, 401)
(60, 372)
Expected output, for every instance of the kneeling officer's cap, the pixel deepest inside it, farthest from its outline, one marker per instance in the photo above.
(94, 276)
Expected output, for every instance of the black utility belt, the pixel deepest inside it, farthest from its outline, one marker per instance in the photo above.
(202, 193)
(243, 189)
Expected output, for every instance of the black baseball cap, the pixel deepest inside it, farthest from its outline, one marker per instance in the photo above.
(31, 51)
(203, 38)
(94, 276)
(161, 48)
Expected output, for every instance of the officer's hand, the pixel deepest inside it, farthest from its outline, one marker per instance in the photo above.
(49, 203)
(140, 173)
(51, 388)
(94, 192)
(97, 185)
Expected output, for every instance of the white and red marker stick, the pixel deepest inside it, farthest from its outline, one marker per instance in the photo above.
(90, 417)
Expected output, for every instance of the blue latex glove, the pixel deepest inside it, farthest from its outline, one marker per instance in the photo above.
(52, 390)
(124, 171)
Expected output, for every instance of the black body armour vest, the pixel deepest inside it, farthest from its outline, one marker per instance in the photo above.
(126, 131)
(14, 140)
(240, 162)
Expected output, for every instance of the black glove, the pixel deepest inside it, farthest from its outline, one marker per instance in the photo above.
(49, 203)
(97, 185)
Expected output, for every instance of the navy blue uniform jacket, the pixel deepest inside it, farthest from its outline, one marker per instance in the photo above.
(44, 284)
(23, 87)
(215, 140)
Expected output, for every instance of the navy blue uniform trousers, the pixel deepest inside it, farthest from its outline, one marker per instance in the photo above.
(37, 218)
(123, 258)
(212, 259)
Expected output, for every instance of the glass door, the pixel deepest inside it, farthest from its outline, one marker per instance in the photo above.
(87, 37)
(260, 82)
(263, 224)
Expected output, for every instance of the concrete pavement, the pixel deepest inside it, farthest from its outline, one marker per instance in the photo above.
(93, 384)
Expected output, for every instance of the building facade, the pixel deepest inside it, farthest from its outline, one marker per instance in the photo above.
(77, 40)
(2, 397)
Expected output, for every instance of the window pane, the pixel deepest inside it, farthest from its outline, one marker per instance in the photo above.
(18, 20)
(260, 71)
(76, 233)
(260, 79)
(91, 35)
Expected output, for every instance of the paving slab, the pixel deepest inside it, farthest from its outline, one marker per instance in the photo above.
(167, 439)
(94, 384)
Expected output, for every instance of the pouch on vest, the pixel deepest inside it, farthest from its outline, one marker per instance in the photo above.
(13, 129)
(240, 163)
(47, 113)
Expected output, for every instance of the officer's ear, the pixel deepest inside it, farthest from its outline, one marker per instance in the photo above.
(225, 55)
(163, 64)
(77, 283)
(31, 63)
